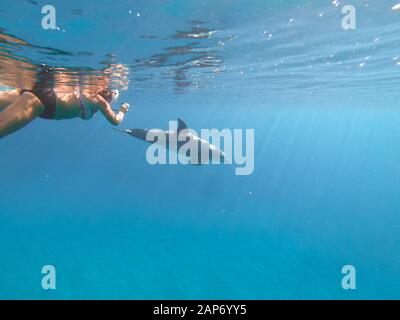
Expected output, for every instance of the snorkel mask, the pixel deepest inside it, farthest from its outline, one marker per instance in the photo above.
(109, 95)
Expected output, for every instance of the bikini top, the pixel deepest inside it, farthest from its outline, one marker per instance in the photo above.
(87, 111)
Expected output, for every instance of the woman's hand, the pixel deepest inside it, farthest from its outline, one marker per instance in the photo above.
(120, 116)
(124, 108)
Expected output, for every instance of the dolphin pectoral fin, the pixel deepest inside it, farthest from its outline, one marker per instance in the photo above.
(181, 125)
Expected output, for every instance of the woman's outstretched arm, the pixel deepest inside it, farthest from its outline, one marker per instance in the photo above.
(108, 112)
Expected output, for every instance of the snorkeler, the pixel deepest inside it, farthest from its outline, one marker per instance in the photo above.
(19, 107)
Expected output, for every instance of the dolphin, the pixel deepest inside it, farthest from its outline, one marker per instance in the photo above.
(185, 136)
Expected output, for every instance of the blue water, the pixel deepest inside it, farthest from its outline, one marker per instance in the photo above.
(324, 193)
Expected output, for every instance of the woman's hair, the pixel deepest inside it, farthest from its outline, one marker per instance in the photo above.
(109, 95)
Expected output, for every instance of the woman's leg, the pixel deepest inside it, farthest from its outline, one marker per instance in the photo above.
(7, 97)
(19, 113)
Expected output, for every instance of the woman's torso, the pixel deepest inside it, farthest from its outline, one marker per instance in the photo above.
(73, 105)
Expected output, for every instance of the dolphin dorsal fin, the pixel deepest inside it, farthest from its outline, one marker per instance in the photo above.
(181, 125)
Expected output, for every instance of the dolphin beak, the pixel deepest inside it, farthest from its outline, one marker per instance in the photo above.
(122, 130)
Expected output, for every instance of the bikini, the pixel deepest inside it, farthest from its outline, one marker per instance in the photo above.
(44, 91)
(87, 111)
(48, 99)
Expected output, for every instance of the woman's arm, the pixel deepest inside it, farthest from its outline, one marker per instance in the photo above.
(111, 116)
